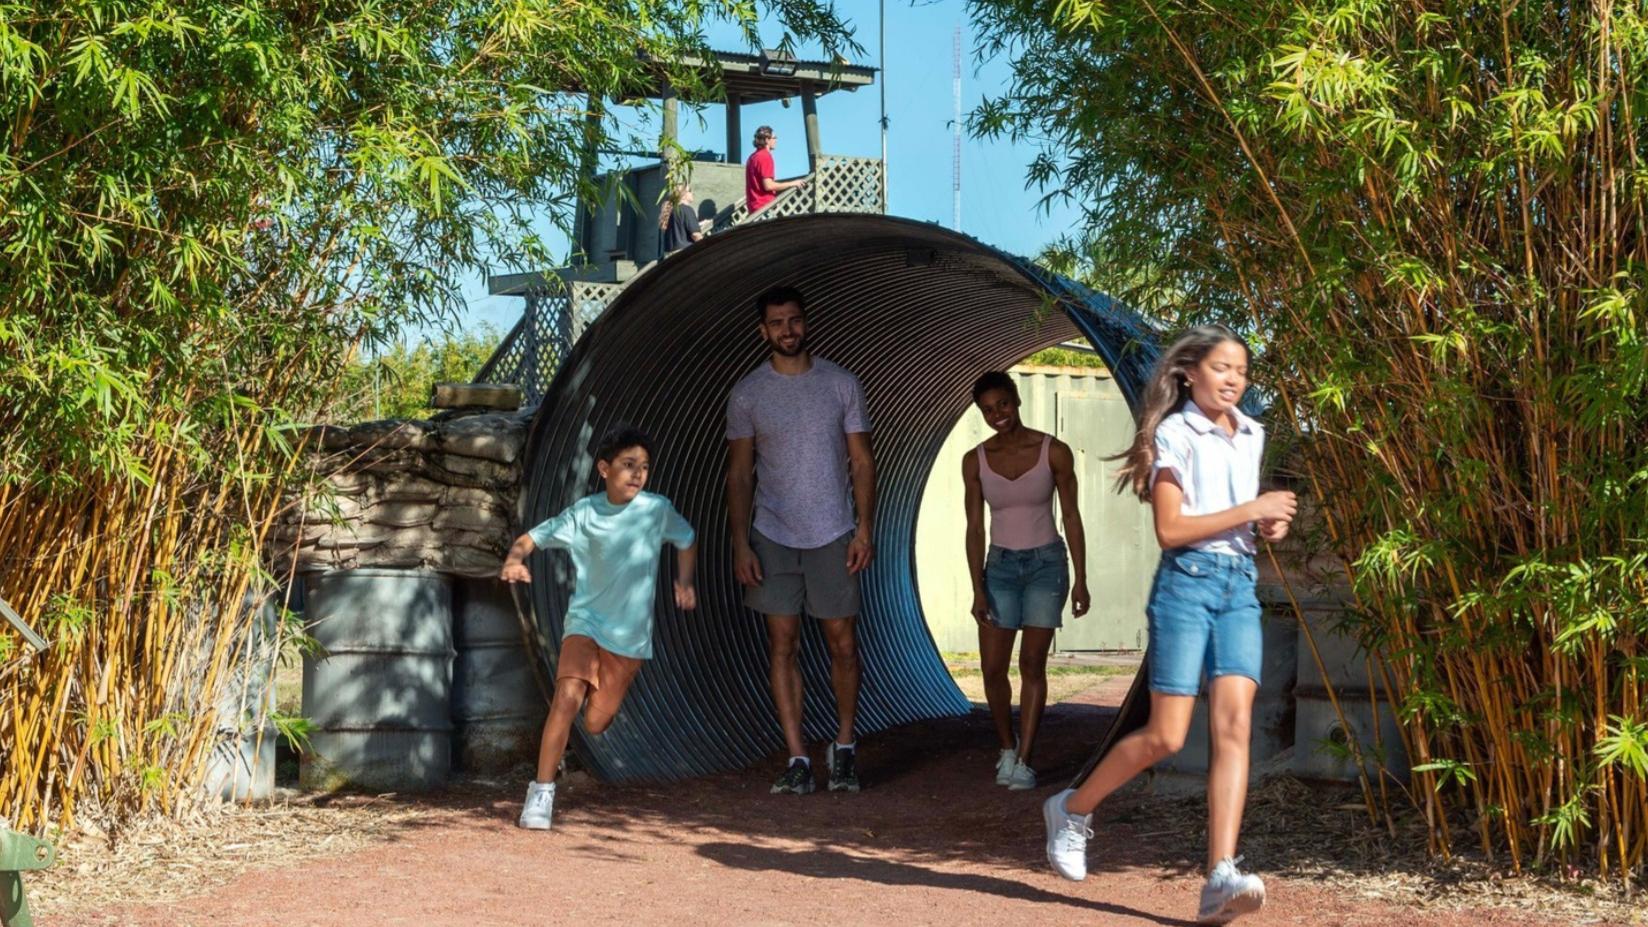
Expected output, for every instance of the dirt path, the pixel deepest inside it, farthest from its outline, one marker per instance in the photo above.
(930, 841)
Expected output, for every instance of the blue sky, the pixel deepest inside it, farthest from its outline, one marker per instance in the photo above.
(996, 207)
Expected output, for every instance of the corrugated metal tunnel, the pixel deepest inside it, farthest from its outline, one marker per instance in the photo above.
(917, 312)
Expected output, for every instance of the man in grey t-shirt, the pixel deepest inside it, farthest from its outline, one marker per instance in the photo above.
(798, 455)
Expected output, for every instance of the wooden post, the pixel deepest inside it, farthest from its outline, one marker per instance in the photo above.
(670, 155)
(734, 131)
(589, 162)
(672, 111)
(809, 111)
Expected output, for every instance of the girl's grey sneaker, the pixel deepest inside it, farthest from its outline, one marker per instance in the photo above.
(796, 780)
(1021, 777)
(843, 766)
(539, 806)
(1004, 765)
(1229, 893)
(1067, 837)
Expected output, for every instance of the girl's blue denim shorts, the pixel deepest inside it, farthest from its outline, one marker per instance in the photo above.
(1026, 588)
(1204, 620)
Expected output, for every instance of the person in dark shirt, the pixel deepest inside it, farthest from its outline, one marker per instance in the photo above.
(678, 220)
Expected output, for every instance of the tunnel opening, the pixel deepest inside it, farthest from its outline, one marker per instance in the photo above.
(917, 312)
(1069, 393)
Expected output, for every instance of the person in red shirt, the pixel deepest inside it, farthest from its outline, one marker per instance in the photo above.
(761, 183)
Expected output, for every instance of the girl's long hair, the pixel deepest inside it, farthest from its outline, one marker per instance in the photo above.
(1164, 394)
(670, 202)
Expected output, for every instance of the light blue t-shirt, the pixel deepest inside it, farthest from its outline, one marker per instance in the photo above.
(615, 551)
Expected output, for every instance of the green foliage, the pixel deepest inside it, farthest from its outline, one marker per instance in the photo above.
(1567, 821)
(1448, 771)
(206, 208)
(1065, 357)
(1626, 744)
(397, 383)
(1430, 220)
(209, 202)
(294, 729)
(167, 725)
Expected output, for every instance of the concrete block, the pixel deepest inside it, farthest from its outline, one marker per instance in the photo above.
(1321, 740)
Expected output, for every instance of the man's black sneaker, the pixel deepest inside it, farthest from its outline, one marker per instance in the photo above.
(797, 780)
(843, 769)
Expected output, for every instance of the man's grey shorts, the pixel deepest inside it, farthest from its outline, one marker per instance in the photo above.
(791, 578)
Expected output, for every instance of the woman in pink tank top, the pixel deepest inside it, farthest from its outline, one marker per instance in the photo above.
(1021, 582)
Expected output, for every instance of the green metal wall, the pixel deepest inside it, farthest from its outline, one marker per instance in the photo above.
(1086, 410)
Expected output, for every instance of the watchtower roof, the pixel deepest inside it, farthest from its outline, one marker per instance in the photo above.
(770, 75)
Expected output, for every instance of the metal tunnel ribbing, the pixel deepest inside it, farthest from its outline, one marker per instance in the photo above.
(917, 312)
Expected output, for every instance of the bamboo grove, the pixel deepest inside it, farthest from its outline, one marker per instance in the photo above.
(206, 206)
(1430, 217)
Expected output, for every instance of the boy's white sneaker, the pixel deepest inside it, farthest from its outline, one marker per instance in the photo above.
(1021, 777)
(1004, 765)
(539, 806)
(1229, 893)
(1066, 837)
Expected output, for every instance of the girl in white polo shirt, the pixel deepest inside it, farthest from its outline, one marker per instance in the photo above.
(1195, 459)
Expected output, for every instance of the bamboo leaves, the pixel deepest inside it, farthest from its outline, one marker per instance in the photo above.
(1435, 221)
(1625, 744)
(206, 207)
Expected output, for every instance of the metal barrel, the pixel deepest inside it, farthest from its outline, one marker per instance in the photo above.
(917, 313)
(379, 695)
(1273, 707)
(241, 765)
(497, 707)
(1324, 736)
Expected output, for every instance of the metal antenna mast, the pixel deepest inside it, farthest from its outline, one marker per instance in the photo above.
(955, 160)
(882, 38)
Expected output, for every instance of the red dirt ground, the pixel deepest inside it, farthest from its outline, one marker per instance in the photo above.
(931, 840)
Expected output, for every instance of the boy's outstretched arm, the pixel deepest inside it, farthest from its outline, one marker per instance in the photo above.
(514, 570)
(686, 569)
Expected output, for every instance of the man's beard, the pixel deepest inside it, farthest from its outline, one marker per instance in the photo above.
(800, 348)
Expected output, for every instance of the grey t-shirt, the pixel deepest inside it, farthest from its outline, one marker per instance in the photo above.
(800, 424)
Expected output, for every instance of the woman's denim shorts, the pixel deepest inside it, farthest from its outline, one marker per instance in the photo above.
(1026, 588)
(1204, 620)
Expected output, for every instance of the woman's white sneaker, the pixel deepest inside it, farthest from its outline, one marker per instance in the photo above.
(1004, 765)
(1229, 893)
(1066, 837)
(539, 806)
(1021, 777)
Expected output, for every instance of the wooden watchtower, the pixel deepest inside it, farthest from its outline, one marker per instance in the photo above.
(618, 238)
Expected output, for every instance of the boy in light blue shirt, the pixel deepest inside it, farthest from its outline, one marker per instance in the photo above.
(614, 538)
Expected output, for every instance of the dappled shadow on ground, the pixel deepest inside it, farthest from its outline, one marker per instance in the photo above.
(931, 817)
(929, 796)
(930, 836)
(827, 863)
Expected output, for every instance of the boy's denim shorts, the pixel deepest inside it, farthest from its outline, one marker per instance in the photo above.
(1204, 620)
(1026, 588)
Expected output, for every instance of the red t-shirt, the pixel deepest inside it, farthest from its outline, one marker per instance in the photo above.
(758, 166)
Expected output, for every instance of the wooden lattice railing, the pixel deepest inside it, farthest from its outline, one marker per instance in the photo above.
(840, 184)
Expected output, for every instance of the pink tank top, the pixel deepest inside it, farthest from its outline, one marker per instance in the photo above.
(1021, 510)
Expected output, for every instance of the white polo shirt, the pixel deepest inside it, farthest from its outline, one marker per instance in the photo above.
(1218, 471)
